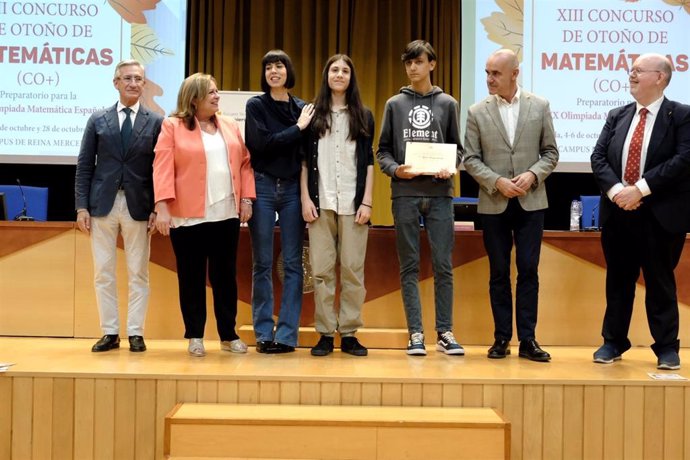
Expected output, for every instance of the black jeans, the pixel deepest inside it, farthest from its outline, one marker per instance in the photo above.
(526, 229)
(634, 241)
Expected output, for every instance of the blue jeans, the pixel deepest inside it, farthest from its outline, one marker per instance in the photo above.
(281, 196)
(438, 221)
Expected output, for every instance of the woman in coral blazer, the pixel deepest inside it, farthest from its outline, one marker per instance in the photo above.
(204, 188)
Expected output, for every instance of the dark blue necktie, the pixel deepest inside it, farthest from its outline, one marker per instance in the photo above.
(126, 131)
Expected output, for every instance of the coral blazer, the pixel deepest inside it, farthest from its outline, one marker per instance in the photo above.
(179, 167)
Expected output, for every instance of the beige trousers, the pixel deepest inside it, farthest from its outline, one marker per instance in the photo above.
(335, 238)
(104, 231)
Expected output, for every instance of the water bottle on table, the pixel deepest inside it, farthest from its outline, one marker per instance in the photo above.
(575, 214)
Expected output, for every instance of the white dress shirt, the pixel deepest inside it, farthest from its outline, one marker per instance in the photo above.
(641, 184)
(337, 166)
(121, 114)
(509, 110)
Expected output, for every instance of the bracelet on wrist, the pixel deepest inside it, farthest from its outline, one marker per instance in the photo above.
(246, 201)
(367, 205)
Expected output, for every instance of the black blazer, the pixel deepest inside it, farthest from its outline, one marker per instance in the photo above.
(103, 166)
(666, 168)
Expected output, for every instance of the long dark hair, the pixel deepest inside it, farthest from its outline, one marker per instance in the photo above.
(322, 104)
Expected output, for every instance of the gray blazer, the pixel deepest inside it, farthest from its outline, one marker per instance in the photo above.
(103, 166)
(489, 154)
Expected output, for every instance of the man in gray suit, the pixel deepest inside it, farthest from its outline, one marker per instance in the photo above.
(510, 150)
(114, 194)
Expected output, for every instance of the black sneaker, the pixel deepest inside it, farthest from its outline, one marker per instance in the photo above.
(351, 345)
(324, 347)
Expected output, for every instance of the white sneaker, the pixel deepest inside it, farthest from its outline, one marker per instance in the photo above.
(234, 346)
(196, 347)
(415, 346)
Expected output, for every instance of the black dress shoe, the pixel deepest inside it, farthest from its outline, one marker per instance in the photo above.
(351, 346)
(278, 348)
(263, 346)
(136, 343)
(107, 342)
(530, 349)
(500, 349)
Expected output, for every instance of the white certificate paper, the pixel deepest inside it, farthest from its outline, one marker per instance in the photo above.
(430, 157)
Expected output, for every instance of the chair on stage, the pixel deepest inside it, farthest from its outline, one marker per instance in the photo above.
(36, 202)
(465, 210)
(590, 213)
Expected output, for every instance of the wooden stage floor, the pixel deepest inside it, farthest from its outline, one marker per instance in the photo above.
(59, 357)
(66, 402)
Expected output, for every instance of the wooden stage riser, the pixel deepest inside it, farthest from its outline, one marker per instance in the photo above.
(83, 418)
(572, 285)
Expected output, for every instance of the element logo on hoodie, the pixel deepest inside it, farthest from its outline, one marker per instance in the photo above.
(420, 116)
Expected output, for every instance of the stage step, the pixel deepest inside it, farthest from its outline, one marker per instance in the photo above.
(271, 431)
(371, 337)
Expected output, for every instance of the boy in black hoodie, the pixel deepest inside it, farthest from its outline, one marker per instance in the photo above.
(422, 113)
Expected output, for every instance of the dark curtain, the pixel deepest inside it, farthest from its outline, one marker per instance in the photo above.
(228, 38)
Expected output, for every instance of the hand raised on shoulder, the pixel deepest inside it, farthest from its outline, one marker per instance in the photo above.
(306, 116)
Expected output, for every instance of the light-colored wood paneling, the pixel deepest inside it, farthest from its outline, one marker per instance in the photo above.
(326, 432)
(166, 398)
(674, 407)
(6, 417)
(533, 420)
(614, 410)
(66, 301)
(573, 422)
(84, 413)
(50, 263)
(570, 409)
(593, 442)
(63, 419)
(22, 417)
(553, 421)
(125, 417)
(633, 422)
(41, 439)
(145, 420)
(513, 408)
(653, 422)
(104, 414)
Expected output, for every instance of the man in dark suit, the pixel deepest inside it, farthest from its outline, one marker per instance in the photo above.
(510, 151)
(114, 194)
(642, 165)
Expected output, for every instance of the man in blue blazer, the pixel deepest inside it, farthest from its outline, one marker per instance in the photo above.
(114, 194)
(641, 163)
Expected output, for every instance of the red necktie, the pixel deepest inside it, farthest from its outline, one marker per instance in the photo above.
(632, 166)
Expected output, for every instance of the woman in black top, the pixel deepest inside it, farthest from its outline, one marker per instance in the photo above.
(274, 126)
